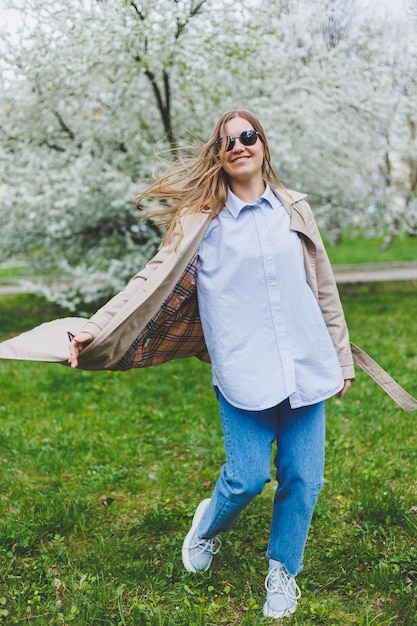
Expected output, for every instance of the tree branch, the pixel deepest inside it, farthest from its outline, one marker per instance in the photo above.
(63, 125)
(164, 103)
(139, 13)
(195, 9)
(52, 146)
(163, 94)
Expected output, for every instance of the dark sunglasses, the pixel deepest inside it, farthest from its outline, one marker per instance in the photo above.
(246, 137)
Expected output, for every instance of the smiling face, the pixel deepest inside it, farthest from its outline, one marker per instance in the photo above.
(243, 164)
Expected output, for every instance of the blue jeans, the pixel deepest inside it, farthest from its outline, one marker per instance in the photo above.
(299, 461)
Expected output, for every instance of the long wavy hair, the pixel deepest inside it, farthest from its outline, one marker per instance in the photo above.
(200, 184)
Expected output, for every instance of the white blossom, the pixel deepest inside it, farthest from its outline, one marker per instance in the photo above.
(90, 89)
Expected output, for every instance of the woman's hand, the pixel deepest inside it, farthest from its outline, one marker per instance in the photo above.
(345, 388)
(77, 345)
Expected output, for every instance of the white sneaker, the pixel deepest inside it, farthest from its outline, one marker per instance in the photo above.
(197, 554)
(282, 594)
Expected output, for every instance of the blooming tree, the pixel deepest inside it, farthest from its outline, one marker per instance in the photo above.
(392, 170)
(90, 89)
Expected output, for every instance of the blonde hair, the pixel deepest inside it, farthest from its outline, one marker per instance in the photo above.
(200, 184)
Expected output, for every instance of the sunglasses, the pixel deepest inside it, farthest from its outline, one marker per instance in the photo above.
(246, 138)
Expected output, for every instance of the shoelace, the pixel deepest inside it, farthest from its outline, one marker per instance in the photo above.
(207, 545)
(278, 581)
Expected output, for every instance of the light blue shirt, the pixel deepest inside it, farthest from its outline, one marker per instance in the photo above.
(263, 327)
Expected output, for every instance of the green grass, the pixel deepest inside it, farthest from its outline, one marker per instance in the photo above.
(13, 271)
(361, 250)
(101, 472)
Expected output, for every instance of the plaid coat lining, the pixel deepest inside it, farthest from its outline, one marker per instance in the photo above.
(174, 331)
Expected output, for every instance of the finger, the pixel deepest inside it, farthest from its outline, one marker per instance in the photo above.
(345, 388)
(77, 344)
(73, 361)
(74, 352)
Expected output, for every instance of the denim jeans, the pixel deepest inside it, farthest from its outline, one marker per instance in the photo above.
(299, 460)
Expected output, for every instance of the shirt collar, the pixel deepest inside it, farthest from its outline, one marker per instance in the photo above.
(234, 204)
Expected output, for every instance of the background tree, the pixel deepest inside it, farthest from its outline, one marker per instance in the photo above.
(393, 205)
(411, 7)
(90, 87)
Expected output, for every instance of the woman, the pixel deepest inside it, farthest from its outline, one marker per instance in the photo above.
(273, 326)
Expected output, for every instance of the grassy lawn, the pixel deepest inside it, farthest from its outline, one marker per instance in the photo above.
(360, 250)
(101, 473)
(13, 271)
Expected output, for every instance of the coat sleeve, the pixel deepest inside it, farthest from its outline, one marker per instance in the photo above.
(99, 320)
(327, 294)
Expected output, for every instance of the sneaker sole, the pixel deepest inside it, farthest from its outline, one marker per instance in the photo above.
(186, 545)
(267, 612)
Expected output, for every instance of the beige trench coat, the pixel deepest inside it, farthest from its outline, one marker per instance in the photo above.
(149, 322)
